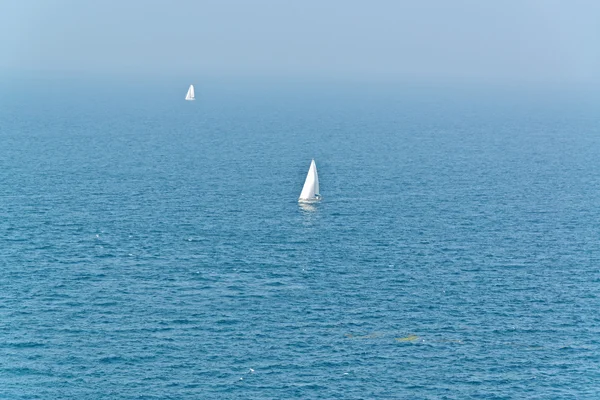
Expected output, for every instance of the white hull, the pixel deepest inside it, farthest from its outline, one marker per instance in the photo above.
(310, 201)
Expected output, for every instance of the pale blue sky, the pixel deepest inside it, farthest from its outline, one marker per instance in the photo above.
(460, 40)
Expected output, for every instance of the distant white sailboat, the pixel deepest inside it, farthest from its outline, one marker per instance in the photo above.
(190, 93)
(310, 191)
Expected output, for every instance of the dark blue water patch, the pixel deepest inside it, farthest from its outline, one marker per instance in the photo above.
(152, 250)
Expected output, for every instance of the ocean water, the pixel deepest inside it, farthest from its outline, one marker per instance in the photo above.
(152, 248)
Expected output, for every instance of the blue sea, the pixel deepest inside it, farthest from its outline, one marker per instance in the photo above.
(153, 248)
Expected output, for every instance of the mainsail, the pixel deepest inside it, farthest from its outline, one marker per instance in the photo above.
(310, 191)
(190, 93)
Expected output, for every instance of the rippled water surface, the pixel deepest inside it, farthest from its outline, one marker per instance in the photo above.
(153, 248)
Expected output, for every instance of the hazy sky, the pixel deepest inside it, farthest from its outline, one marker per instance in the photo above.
(472, 40)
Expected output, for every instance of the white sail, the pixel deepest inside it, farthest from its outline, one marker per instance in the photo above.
(190, 93)
(310, 191)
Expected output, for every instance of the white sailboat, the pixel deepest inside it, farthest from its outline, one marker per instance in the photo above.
(190, 93)
(310, 191)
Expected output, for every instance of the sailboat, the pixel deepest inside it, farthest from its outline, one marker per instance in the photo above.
(190, 93)
(310, 191)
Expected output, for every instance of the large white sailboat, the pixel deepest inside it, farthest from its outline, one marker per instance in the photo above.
(310, 191)
(190, 94)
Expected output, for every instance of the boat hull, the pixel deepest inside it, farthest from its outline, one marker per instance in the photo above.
(310, 201)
